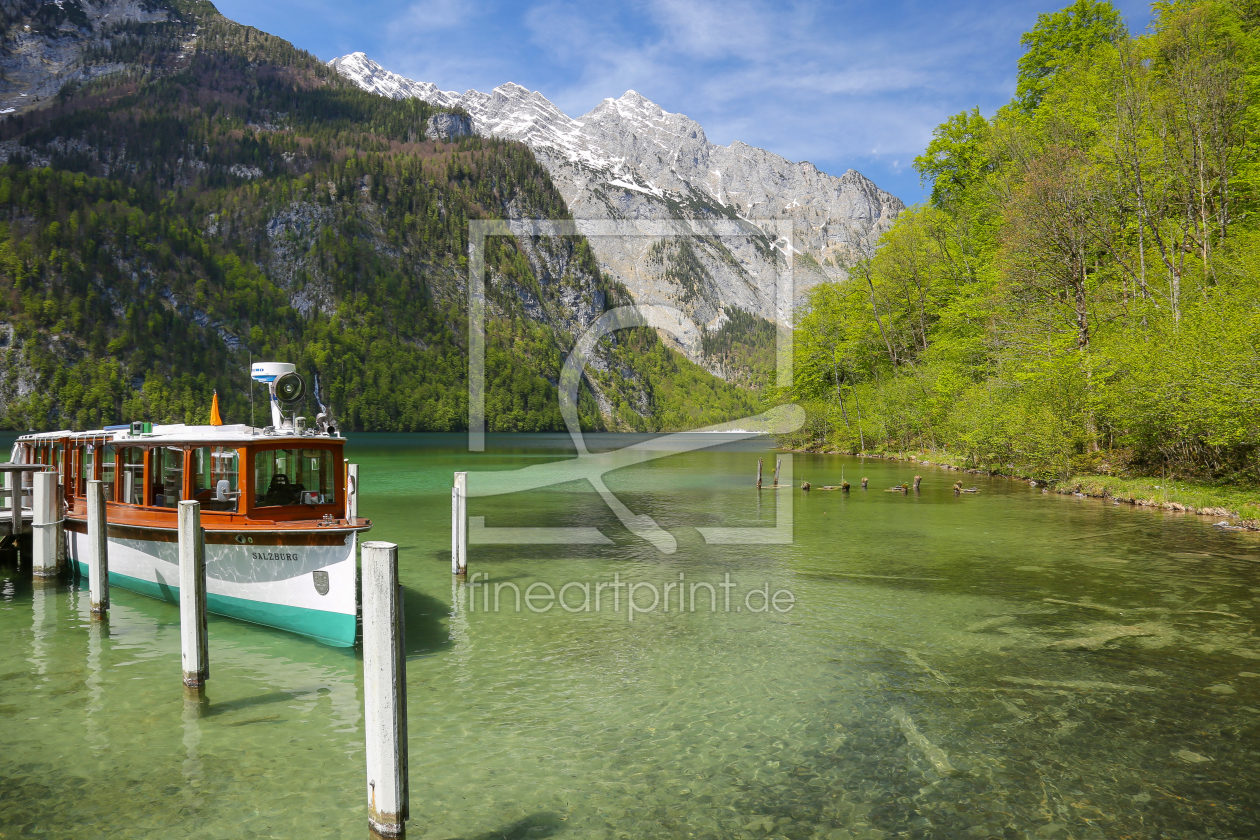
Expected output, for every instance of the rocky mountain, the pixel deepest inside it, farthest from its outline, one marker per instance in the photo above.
(183, 193)
(629, 159)
(45, 44)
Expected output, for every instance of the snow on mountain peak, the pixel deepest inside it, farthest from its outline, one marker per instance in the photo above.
(637, 141)
(629, 158)
(369, 75)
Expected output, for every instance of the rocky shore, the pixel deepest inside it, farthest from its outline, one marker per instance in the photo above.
(1105, 488)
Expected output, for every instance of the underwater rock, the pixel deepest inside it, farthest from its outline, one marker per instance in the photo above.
(934, 754)
(1084, 605)
(1087, 685)
(1095, 642)
(990, 623)
(1191, 757)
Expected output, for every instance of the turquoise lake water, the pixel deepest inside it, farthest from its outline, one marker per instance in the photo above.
(1006, 664)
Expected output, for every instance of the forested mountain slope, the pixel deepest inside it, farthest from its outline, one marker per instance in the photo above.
(1082, 293)
(209, 193)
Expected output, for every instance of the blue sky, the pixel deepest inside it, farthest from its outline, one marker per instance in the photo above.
(842, 84)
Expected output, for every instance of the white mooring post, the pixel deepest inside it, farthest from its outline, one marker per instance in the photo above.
(194, 648)
(98, 552)
(459, 524)
(384, 690)
(44, 525)
(352, 492)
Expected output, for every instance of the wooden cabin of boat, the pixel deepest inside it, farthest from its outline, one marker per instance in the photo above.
(243, 478)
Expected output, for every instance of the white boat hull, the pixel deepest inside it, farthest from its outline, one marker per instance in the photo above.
(254, 576)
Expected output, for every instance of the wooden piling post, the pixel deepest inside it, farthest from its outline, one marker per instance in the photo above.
(864, 480)
(384, 691)
(194, 646)
(44, 525)
(98, 556)
(917, 479)
(758, 473)
(459, 524)
(777, 461)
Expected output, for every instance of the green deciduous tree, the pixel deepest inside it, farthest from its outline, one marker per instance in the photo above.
(1058, 39)
(1081, 291)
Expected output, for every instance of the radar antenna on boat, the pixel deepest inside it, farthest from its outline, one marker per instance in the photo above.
(285, 387)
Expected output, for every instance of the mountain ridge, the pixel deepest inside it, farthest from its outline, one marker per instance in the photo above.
(630, 159)
(584, 135)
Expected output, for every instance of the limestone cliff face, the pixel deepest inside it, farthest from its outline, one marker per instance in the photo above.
(629, 159)
(45, 43)
(448, 126)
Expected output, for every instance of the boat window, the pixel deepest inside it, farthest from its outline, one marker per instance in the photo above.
(167, 476)
(293, 477)
(216, 480)
(131, 467)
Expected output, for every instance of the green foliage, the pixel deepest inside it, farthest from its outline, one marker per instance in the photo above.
(1081, 293)
(1059, 39)
(744, 346)
(957, 158)
(682, 266)
(680, 395)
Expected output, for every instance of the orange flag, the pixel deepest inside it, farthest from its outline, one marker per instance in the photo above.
(215, 418)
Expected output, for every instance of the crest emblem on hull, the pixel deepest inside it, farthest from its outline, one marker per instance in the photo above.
(321, 582)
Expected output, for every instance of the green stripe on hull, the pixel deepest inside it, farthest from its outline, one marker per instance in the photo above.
(331, 628)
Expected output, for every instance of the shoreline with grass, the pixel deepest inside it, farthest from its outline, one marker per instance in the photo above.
(1239, 508)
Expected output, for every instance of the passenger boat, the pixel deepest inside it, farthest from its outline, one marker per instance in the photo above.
(277, 504)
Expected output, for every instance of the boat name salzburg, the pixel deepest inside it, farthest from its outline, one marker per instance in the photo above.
(267, 555)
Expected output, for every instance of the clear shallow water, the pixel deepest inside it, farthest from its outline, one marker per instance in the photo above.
(925, 629)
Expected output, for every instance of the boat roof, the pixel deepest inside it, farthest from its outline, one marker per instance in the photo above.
(180, 433)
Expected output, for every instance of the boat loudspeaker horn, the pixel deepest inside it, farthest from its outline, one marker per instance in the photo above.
(290, 387)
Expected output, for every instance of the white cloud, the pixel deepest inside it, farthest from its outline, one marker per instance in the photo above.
(428, 15)
(720, 28)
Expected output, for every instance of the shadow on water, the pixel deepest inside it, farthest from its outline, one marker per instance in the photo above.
(543, 824)
(215, 709)
(425, 623)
